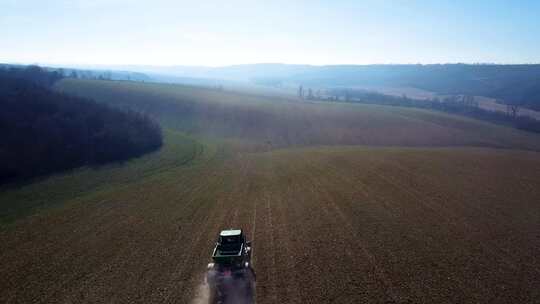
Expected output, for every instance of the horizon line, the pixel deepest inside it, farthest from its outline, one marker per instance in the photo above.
(50, 64)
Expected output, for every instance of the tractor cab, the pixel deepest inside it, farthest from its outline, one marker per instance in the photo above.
(230, 277)
(231, 248)
(230, 241)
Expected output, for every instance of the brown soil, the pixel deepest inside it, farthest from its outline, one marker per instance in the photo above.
(329, 225)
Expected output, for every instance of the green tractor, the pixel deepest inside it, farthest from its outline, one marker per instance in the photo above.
(230, 277)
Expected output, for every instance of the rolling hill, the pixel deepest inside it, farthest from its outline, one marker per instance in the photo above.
(273, 122)
(512, 83)
(344, 203)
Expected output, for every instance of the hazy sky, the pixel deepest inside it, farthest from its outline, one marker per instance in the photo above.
(224, 32)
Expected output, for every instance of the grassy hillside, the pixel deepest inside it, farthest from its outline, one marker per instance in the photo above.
(338, 209)
(57, 189)
(263, 122)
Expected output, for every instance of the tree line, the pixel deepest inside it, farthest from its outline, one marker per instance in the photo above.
(515, 84)
(42, 131)
(465, 105)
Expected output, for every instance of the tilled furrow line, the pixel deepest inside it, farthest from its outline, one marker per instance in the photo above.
(222, 213)
(288, 269)
(178, 281)
(380, 288)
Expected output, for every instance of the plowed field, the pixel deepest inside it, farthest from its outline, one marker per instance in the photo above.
(329, 224)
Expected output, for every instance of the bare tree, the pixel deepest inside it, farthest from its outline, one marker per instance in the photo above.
(512, 109)
(310, 94)
(404, 99)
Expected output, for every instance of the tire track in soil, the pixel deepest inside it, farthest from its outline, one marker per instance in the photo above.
(246, 205)
(450, 217)
(333, 174)
(219, 218)
(491, 213)
(253, 230)
(232, 206)
(416, 196)
(99, 218)
(161, 282)
(270, 231)
(313, 267)
(177, 242)
(264, 250)
(253, 246)
(389, 206)
(323, 267)
(176, 278)
(288, 277)
(282, 204)
(281, 285)
(378, 269)
(218, 175)
(346, 231)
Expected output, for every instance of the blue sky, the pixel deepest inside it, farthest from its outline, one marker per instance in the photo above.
(216, 33)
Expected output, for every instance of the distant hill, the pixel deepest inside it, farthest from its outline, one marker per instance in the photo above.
(263, 123)
(511, 83)
(88, 72)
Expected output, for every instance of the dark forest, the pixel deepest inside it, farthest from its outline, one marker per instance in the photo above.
(43, 131)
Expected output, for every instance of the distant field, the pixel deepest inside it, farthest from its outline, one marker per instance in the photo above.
(344, 203)
(491, 104)
(265, 122)
(485, 103)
